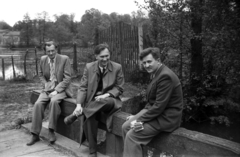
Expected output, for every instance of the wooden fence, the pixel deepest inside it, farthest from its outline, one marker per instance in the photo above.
(123, 40)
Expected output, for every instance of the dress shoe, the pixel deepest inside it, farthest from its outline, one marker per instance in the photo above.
(70, 119)
(34, 139)
(92, 155)
(52, 137)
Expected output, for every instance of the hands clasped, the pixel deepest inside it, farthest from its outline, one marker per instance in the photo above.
(136, 126)
(52, 94)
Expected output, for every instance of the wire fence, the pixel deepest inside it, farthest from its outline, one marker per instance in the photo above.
(18, 63)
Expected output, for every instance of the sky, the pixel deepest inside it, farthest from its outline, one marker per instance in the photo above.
(12, 11)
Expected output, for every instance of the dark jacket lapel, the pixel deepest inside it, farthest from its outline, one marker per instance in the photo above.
(57, 64)
(154, 80)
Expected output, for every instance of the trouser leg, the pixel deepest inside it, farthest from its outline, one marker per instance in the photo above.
(91, 127)
(38, 113)
(133, 141)
(91, 123)
(55, 110)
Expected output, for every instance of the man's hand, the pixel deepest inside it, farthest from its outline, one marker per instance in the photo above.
(136, 126)
(100, 97)
(78, 110)
(52, 94)
(129, 117)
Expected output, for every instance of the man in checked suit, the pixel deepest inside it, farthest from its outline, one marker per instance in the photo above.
(98, 94)
(163, 110)
(55, 75)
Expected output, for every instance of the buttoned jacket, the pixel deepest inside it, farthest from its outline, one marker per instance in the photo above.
(62, 73)
(165, 101)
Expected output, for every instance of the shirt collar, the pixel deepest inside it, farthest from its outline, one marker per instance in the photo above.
(101, 68)
(49, 60)
(153, 75)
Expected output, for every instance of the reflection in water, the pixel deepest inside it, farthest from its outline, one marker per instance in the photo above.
(9, 73)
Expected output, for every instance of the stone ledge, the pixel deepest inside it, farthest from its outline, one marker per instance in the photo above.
(184, 142)
(181, 142)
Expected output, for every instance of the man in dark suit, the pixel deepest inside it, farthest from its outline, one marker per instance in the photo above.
(98, 93)
(163, 111)
(55, 75)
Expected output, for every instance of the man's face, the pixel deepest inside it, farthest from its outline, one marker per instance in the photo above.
(103, 57)
(150, 64)
(51, 52)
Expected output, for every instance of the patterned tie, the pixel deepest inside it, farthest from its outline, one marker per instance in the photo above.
(52, 75)
(52, 70)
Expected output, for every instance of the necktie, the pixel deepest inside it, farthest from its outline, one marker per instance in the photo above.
(52, 75)
(52, 70)
(103, 71)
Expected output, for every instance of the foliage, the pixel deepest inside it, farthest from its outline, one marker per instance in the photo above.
(139, 76)
(4, 25)
(211, 102)
(204, 37)
(135, 104)
(94, 19)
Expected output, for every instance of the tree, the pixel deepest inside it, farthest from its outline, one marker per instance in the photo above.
(62, 29)
(4, 25)
(43, 25)
(26, 31)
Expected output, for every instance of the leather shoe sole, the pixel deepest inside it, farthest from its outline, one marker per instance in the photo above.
(33, 141)
(51, 137)
(70, 119)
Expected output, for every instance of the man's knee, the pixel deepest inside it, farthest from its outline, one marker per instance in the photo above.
(125, 126)
(54, 101)
(38, 104)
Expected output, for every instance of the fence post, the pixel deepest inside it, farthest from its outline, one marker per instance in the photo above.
(14, 73)
(3, 69)
(96, 35)
(140, 42)
(75, 57)
(25, 66)
(59, 49)
(36, 60)
(121, 45)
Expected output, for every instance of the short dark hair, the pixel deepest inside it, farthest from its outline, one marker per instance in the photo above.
(151, 50)
(49, 43)
(101, 47)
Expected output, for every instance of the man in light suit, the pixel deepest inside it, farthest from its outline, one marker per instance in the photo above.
(55, 75)
(98, 93)
(163, 111)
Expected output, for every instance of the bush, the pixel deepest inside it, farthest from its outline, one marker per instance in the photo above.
(210, 101)
(135, 104)
(139, 77)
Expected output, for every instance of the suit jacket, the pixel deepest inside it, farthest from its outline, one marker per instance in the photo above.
(113, 81)
(62, 73)
(165, 101)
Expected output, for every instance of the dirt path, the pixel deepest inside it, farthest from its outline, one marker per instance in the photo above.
(13, 143)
